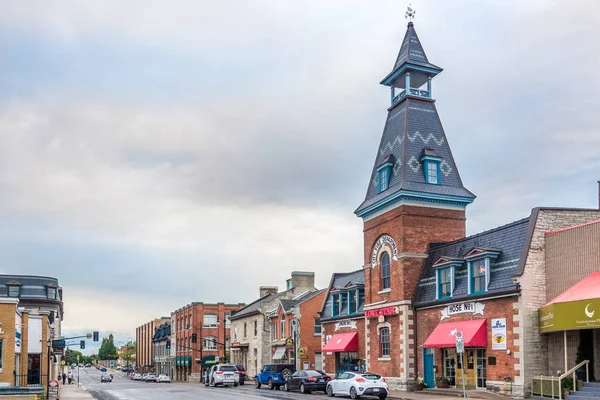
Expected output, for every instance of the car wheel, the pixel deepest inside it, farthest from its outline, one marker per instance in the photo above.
(303, 389)
(353, 394)
(257, 383)
(270, 384)
(286, 387)
(241, 382)
(286, 373)
(382, 396)
(235, 384)
(329, 391)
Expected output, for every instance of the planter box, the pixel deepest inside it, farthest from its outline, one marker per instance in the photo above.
(418, 387)
(442, 385)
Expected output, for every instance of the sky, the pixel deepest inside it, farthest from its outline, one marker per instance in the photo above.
(157, 153)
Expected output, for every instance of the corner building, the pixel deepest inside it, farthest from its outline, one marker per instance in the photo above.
(415, 197)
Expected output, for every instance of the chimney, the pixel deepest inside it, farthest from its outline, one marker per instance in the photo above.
(301, 279)
(265, 290)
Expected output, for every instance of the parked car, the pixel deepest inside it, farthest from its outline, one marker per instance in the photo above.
(80, 365)
(105, 378)
(162, 378)
(307, 381)
(357, 384)
(102, 369)
(222, 375)
(242, 371)
(151, 378)
(138, 377)
(274, 375)
(88, 365)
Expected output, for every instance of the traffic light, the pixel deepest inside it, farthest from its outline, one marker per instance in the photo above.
(82, 344)
(194, 338)
(168, 344)
(96, 336)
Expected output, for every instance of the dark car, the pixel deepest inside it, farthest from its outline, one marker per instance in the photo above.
(274, 375)
(242, 371)
(105, 378)
(307, 381)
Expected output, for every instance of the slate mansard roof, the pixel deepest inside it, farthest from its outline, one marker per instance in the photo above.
(32, 287)
(340, 281)
(508, 239)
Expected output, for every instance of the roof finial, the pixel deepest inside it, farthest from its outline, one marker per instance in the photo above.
(410, 13)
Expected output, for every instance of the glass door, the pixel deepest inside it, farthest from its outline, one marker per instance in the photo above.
(450, 365)
(481, 368)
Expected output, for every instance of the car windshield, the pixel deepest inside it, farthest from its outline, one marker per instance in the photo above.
(228, 368)
(370, 375)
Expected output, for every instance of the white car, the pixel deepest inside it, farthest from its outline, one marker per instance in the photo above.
(357, 384)
(138, 377)
(151, 378)
(162, 378)
(223, 375)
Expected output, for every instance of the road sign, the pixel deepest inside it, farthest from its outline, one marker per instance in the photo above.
(58, 344)
(63, 362)
(460, 345)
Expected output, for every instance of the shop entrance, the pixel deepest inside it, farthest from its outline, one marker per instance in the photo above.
(450, 365)
(481, 368)
(475, 368)
(428, 367)
(346, 361)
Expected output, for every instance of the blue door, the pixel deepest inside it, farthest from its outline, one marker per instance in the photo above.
(428, 367)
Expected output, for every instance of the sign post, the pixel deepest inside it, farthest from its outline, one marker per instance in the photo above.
(460, 349)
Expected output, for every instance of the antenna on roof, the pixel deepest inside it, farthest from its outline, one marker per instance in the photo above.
(410, 13)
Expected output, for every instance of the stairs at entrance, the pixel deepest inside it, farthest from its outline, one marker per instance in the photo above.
(589, 391)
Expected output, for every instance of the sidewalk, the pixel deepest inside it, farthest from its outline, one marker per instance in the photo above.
(396, 395)
(73, 392)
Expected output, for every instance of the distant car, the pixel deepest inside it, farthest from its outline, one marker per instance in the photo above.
(162, 378)
(357, 384)
(307, 381)
(102, 369)
(105, 378)
(80, 365)
(151, 378)
(274, 375)
(242, 371)
(88, 365)
(137, 377)
(223, 375)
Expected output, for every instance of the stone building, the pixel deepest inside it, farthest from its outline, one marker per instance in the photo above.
(202, 333)
(144, 352)
(161, 341)
(298, 320)
(250, 326)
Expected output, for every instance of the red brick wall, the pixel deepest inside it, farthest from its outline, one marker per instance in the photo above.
(309, 310)
(413, 228)
(329, 329)
(428, 319)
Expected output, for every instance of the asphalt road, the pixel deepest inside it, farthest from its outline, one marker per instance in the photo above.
(123, 388)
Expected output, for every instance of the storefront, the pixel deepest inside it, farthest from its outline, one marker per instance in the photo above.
(344, 347)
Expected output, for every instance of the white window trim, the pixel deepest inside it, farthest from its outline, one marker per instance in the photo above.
(380, 326)
(210, 324)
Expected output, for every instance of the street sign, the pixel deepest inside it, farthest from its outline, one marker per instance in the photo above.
(59, 344)
(460, 345)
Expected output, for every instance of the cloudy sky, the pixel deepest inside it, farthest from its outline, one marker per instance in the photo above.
(156, 153)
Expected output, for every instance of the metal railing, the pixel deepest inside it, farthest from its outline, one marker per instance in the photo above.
(30, 380)
(551, 386)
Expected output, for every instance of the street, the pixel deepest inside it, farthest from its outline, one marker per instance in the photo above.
(122, 388)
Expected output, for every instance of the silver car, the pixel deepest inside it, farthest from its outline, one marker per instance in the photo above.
(223, 375)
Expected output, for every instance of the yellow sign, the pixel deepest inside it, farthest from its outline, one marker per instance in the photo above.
(580, 314)
(303, 352)
(289, 341)
(62, 362)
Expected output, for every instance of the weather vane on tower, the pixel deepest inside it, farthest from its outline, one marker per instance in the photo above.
(410, 13)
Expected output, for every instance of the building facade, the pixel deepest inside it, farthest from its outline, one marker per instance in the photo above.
(202, 333)
(144, 352)
(295, 329)
(163, 363)
(32, 311)
(343, 340)
(250, 347)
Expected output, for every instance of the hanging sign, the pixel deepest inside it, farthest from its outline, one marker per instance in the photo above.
(498, 333)
(459, 308)
(380, 242)
(381, 312)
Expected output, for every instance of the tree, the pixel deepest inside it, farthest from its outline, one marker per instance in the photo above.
(108, 350)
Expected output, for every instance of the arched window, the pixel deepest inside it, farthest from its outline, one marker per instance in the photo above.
(385, 271)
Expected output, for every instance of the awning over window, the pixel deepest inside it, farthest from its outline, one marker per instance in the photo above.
(342, 342)
(474, 334)
(575, 308)
(279, 353)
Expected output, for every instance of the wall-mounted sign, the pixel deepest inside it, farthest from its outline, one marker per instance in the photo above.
(381, 312)
(459, 308)
(499, 334)
(380, 242)
(303, 352)
(349, 323)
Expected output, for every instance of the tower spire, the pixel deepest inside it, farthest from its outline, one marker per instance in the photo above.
(410, 13)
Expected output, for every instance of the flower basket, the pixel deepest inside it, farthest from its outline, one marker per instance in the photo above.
(419, 385)
(442, 382)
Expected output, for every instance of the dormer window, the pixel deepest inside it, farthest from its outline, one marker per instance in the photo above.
(384, 171)
(445, 282)
(51, 293)
(479, 260)
(335, 305)
(14, 290)
(431, 166)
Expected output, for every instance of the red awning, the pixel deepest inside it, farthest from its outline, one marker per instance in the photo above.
(585, 289)
(342, 342)
(474, 334)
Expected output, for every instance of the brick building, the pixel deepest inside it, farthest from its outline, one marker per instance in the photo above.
(415, 197)
(209, 324)
(250, 325)
(298, 320)
(144, 352)
(343, 324)
(161, 341)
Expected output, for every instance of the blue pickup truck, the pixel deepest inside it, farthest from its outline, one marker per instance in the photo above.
(274, 375)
